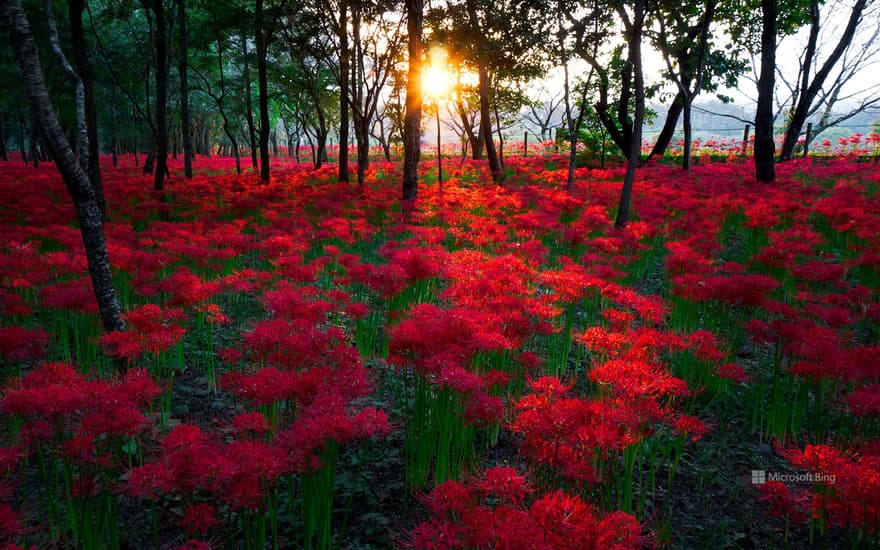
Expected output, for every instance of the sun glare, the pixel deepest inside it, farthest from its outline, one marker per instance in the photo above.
(435, 78)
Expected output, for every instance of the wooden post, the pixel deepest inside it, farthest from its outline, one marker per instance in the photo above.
(526, 144)
(807, 139)
(745, 148)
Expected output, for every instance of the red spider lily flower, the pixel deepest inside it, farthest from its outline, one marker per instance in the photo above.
(782, 502)
(198, 519)
(449, 499)
(690, 426)
(619, 530)
(483, 409)
(250, 423)
(10, 522)
(151, 330)
(503, 482)
(865, 401)
(733, 372)
(636, 379)
(19, 344)
(436, 535)
(194, 545)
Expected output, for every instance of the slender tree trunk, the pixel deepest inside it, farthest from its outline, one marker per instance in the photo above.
(77, 181)
(632, 161)
(688, 135)
(86, 72)
(21, 147)
(765, 148)
(182, 66)
(161, 96)
(412, 132)
(248, 101)
(344, 69)
(263, 98)
(3, 150)
(486, 124)
(668, 130)
(34, 151)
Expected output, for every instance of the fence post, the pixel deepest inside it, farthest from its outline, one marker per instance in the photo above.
(745, 148)
(807, 139)
(526, 144)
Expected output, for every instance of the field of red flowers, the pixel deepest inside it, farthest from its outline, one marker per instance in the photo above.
(312, 365)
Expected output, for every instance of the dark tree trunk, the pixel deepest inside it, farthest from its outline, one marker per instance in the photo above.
(263, 91)
(486, 124)
(21, 148)
(182, 66)
(3, 150)
(114, 139)
(248, 101)
(85, 70)
(161, 96)
(688, 135)
(34, 151)
(665, 137)
(808, 91)
(412, 131)
(635, 59)
(77, 181)
(344, 68)
(765, 148)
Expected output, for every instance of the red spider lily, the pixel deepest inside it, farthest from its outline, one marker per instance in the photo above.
(74, 295)
(151, 330)
(782, 502)
(690, 426)
(198, 519)
(865, 401)
(18, 344)
(489, 511)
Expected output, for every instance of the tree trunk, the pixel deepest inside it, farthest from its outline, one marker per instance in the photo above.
(3, 151)
(412, 131)
(161, 96)
(248, 101)
(344, 91)
(688, 135)
(34, 151)
(85, 70)
(182, 66)
(486, 124)
(77, 181)
(665, 137)
(632, 161)
(263, 91)
(765, 148)
(21, 148)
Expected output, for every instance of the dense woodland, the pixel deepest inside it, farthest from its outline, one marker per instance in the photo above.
(250, 298)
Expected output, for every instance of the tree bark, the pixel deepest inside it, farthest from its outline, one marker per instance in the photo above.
(77, 181)
(635, 59)
(182, 66)
(161, 96)
(248, 101)
(3, 150)
(263, 91)
(668, 130)
(344, 69)
(765, 148)
(412, 130)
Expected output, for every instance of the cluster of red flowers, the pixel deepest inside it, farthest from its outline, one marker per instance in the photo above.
(491, 511)
(151, 330)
